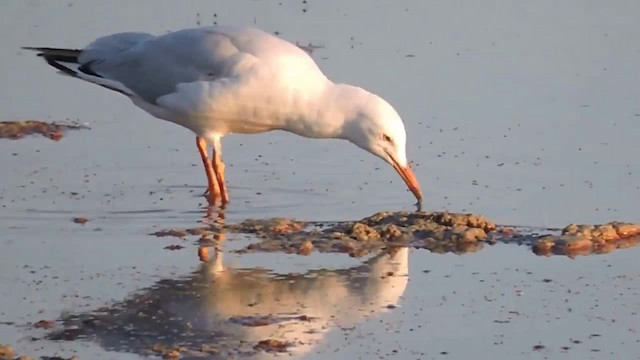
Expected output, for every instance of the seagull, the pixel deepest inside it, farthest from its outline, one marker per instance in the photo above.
(220, 80)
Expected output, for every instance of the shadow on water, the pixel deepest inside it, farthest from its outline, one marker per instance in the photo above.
(219, 311)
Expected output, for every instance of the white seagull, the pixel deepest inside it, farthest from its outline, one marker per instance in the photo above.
(221, 80)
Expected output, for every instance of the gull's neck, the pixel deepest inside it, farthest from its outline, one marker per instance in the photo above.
(329, 114)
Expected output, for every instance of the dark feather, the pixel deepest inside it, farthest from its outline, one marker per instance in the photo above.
(56, 56)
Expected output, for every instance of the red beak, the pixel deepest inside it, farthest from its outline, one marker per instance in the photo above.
(409, 178)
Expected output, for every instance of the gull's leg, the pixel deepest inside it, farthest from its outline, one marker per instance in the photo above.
(218, 169)
(218, 226)
(212, 188)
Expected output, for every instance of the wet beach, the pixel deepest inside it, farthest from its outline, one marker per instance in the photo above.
(522, 125)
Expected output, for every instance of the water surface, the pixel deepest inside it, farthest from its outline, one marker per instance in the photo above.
(525, 113)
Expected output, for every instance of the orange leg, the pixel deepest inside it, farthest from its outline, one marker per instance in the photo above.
(212, 188)
(218, 218)
(218, 169)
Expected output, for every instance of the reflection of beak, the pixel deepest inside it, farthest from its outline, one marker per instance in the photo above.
(409, 178)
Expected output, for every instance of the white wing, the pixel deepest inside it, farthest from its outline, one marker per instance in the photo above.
(154, 66)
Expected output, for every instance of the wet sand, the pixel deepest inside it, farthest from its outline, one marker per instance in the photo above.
(525, 116)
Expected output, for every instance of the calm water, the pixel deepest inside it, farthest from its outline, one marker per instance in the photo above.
(527, 114)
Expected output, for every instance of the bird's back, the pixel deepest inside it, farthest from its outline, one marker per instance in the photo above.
(152, 66)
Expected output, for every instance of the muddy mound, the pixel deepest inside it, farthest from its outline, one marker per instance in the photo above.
(438, 232)
(441, 232)
(588, 239)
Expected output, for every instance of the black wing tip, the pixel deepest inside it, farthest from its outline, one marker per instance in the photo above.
(51, 49)
(66, 55)
(32, 48)
(55, 56)
(53, 61)
(41, 51)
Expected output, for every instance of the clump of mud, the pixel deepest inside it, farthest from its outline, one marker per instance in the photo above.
(588, 239)
(272, 345)
(167, 352)
(18, 129)
(438, 232)
(268, 227)
(6, 352)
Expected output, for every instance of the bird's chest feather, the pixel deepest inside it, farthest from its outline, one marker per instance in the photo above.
(244, 106)
(258, 109)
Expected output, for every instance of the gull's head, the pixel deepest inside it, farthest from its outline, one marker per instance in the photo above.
(376, 127)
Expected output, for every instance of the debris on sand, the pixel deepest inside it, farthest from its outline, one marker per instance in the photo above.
(80, 220)
(209, 349)
(179, 233)
(6, 352)
(166, 352)
(268, 227)
(203, 232)
(18, 129)
(44, 324)
(272, 345)
(306, 248)
(588, 239)
(255, 321)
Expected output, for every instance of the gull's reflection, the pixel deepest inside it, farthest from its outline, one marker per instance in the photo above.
(229, 310)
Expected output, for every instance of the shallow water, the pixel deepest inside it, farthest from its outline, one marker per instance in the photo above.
(525, 114)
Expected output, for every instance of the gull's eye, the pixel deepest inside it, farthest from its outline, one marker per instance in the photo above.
(386, 138)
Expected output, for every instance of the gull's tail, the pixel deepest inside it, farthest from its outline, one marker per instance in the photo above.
(67, 61)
